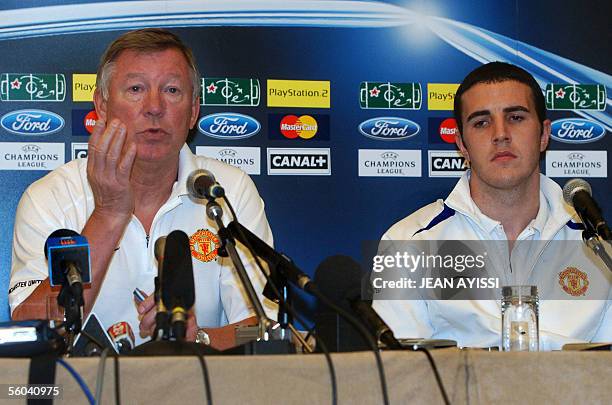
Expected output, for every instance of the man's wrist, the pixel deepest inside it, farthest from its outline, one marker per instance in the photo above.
(202, 337)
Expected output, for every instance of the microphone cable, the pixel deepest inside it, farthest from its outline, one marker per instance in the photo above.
(205, 375)
(78, 379)
(289, 308)
(365, 334)
(117, 381)
(436, 374)
(100, 376)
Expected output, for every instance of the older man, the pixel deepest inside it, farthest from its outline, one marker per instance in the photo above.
(131, 190)
(501, 115)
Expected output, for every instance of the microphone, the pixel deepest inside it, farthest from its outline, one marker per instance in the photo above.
(201, 184)
(578, 194)
(177, 286)
(161, 317)
(122, 336)
(339, 278)
(276, 260)
(373, 321)
(67, 253)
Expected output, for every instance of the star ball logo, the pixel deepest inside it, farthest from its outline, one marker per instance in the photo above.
(32, 87)
(298, 127)
(387, 95)
(575, 97)
(227, 91)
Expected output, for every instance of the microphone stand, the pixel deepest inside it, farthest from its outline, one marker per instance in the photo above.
(215, 212)
(73, 312)
(590, 238)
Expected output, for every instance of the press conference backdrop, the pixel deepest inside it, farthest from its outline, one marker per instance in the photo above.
(339, 110)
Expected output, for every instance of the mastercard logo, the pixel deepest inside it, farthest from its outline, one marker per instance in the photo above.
(448, 130)
(90, 121)
(292, 126)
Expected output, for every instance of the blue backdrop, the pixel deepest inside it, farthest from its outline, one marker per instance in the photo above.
(344, 43)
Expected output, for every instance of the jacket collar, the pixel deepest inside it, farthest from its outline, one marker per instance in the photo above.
(552, 215)
(187, 164)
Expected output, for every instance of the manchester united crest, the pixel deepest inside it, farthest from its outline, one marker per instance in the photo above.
(204, 245)
(573, 281)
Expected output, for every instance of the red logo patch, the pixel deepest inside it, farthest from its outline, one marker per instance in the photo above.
(573, 281)
(204, 245)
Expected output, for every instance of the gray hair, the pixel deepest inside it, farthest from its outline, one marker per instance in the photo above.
(146, 41)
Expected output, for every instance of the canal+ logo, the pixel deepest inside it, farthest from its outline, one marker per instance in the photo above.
(389, 128)
(576, 130)
(228, 126)
(32, 122)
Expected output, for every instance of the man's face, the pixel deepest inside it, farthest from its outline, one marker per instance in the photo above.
(151, 93)
(502, 137)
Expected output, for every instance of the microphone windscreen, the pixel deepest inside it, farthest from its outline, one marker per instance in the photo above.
(339, 277)
(64, 250)
(177, 277)
(60, 233)
(199, 182)
(572, 186)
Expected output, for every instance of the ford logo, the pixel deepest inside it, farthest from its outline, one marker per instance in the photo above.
(389, 128)
(32, 122)
(228, 126)
(576, 130)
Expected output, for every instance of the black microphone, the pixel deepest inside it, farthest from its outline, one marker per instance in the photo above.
(578, 193)
(276, 260)
(340, 279)
(161, 317)
(67, 253)
(381, 331)
(334, 277)
(178, 291)
(201, 184)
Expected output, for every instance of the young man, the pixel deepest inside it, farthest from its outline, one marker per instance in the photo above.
(501, 116)
(131, 190)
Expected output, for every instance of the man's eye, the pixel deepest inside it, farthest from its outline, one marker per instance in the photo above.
(516, 117)
(135, 89)
(173, 90)
(480, 124)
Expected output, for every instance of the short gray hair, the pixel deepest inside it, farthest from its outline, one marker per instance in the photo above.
(146, 41)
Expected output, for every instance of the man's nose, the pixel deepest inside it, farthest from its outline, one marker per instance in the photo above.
(154, 103)
(501, 133)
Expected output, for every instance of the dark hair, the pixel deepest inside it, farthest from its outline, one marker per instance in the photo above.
(496, 72)
(144, 40)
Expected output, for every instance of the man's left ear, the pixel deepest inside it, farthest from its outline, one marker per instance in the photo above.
(195, 112)
(99, 104)
(461, 145)
(545, 136)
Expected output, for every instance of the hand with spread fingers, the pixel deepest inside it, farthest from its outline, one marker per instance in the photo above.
(109, 166)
